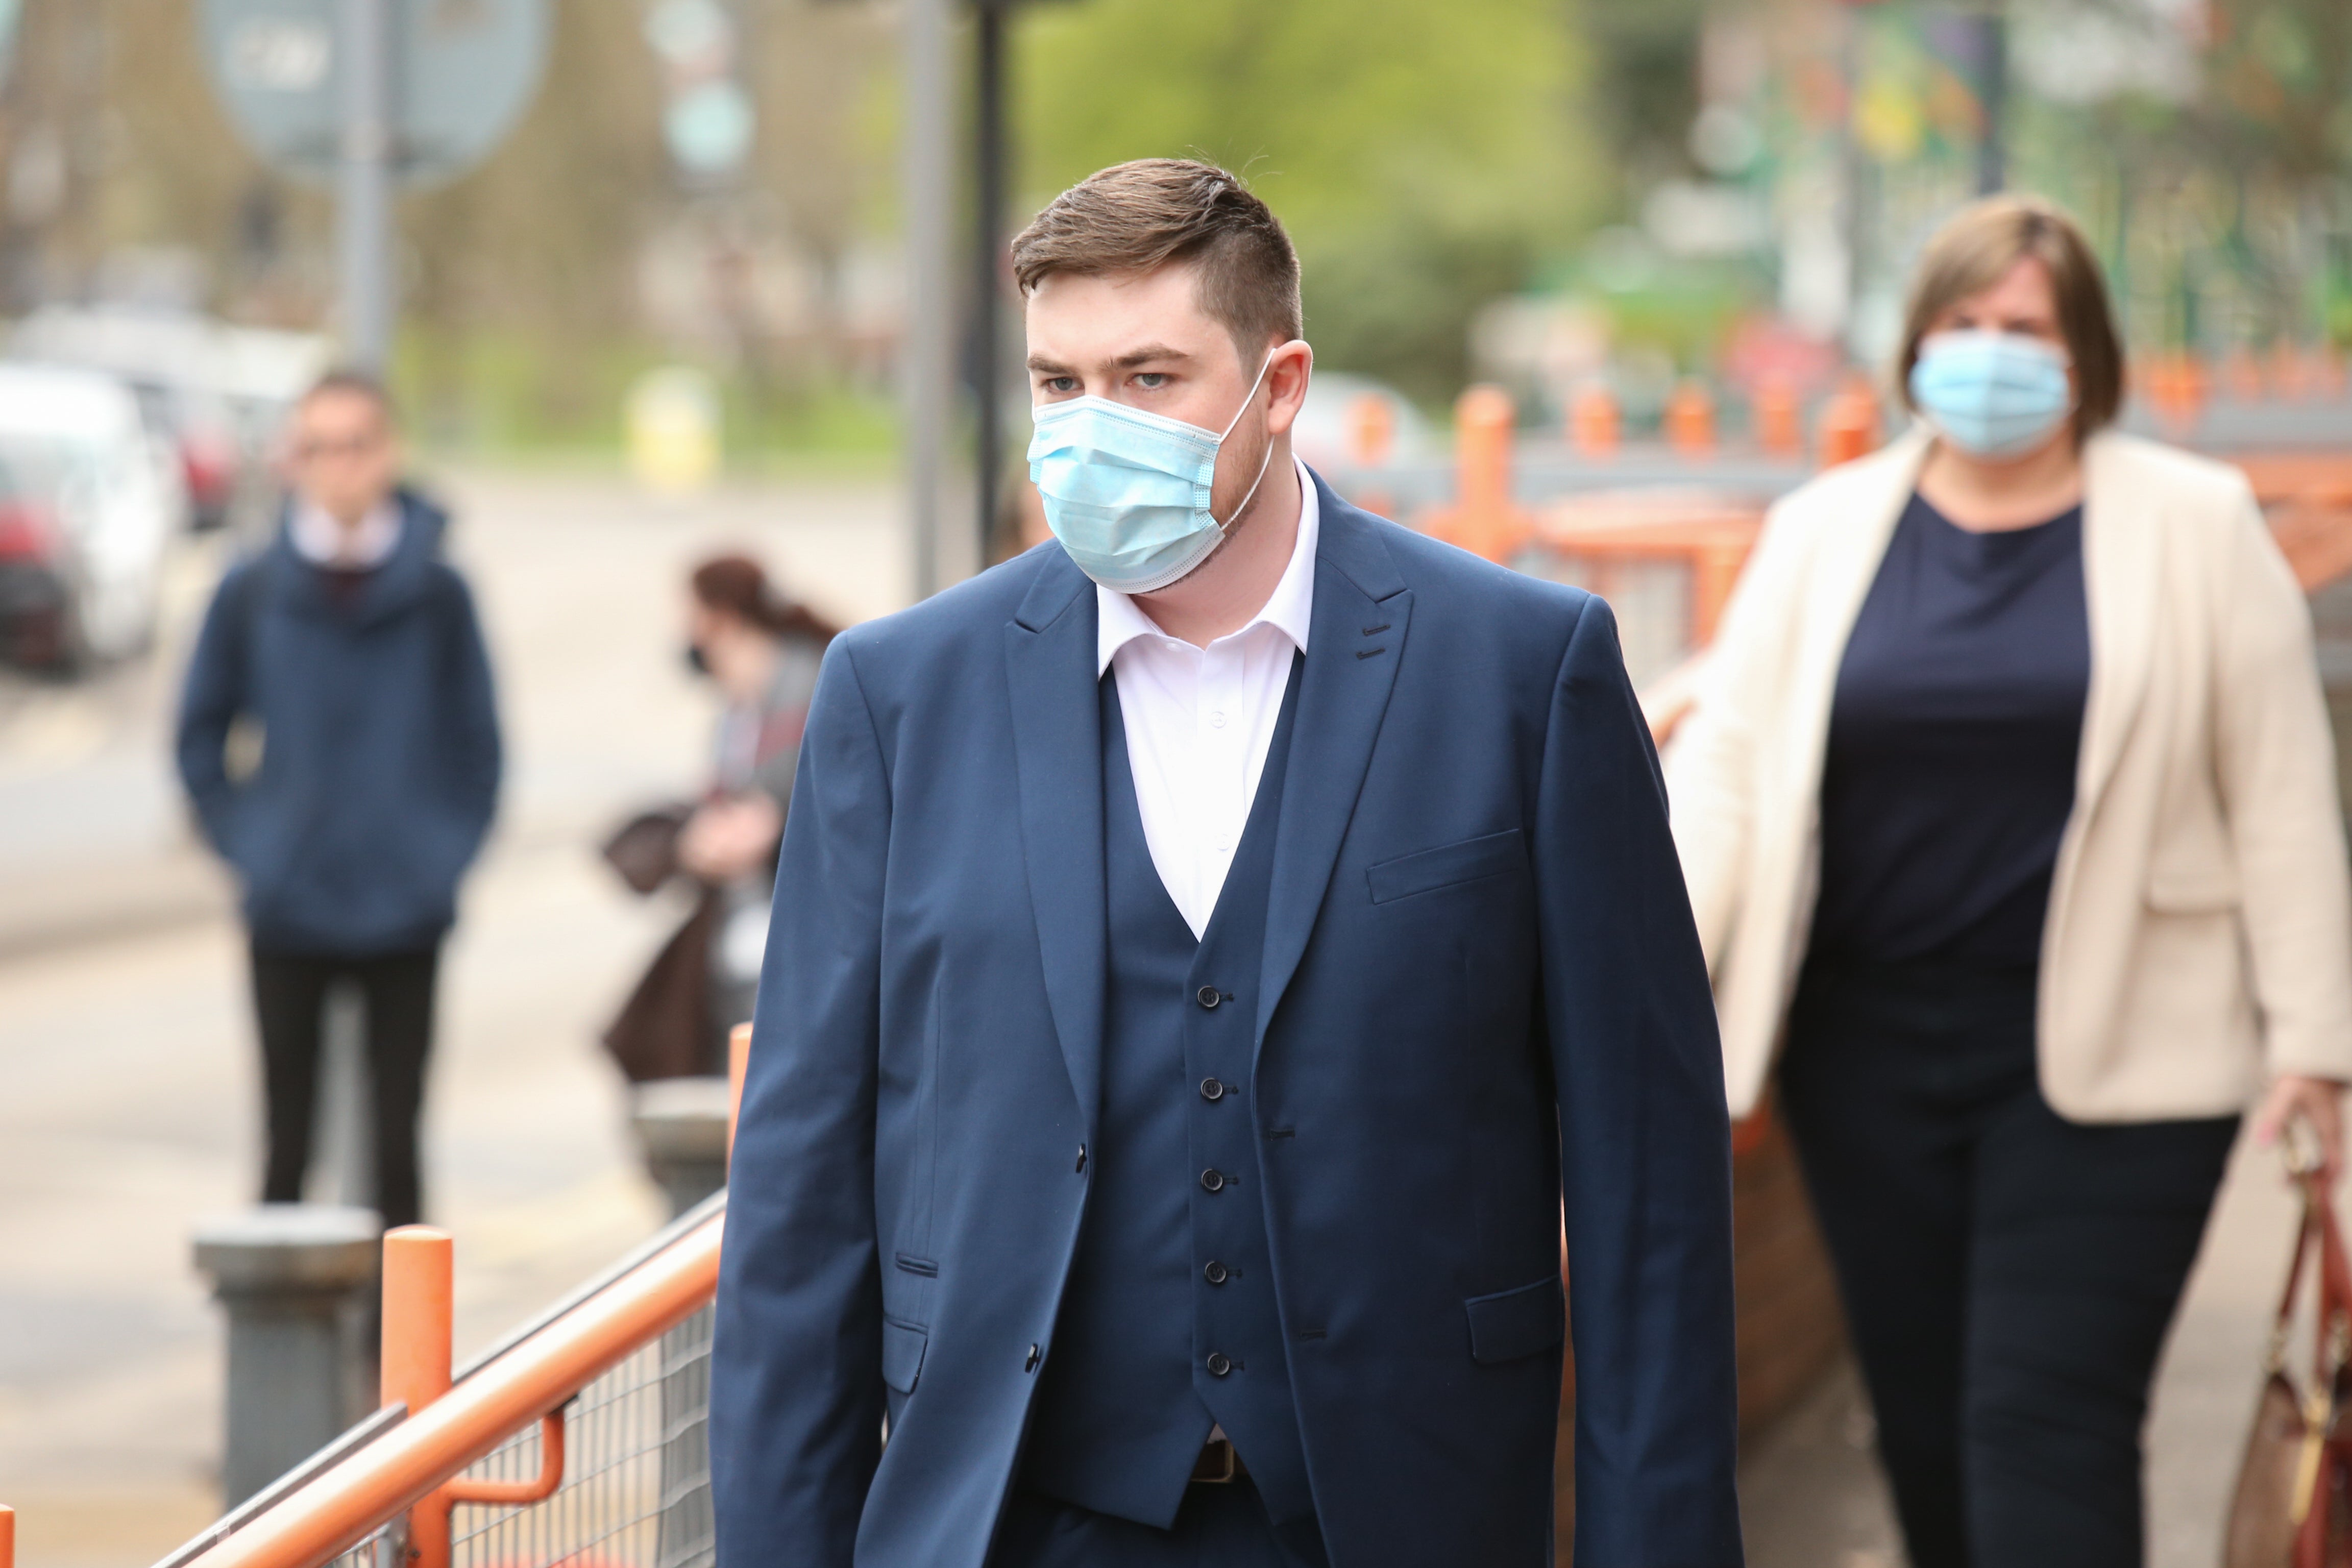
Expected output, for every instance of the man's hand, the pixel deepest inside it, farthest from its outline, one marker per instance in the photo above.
(2318, 1104)
(730, 838)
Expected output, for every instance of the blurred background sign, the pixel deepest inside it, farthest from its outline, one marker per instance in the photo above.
(461, 73)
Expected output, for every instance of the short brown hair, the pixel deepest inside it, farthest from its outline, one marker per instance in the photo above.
(351, 381)
(1972, 253)
(1134, 217)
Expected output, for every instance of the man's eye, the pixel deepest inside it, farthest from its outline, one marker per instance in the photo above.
(1061, 383)
(1151, 379)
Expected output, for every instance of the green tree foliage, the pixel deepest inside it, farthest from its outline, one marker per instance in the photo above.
(1424, 156)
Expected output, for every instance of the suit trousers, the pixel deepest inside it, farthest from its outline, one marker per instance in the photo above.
(2009, 1274)
(289, 996)
(1221, 1526)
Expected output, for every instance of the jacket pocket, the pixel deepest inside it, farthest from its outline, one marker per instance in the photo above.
(902, 1353)
(1427, 870)
(1512, 1324)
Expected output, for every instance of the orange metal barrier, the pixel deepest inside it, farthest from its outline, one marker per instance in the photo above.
(410, 1467)
(585, 1427)
(1483, 518)
(7, 1537)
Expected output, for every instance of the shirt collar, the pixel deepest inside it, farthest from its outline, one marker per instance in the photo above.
(322, 541)
(1120, 620)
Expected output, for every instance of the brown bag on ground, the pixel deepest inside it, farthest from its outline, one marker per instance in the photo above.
(665, 1028)
(2293, 1508)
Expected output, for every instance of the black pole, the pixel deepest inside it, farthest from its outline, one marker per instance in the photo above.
(988, 212)
(1992, 82)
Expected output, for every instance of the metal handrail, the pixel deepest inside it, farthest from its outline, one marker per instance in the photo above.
(350, 1442)
(516, 1389)
(435, 1424)
(659, 1242)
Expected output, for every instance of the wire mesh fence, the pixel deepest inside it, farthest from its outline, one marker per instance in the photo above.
(637, 1476)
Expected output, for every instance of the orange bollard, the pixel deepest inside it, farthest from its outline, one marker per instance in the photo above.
(415, 1356)
(2178, 386)
(1849, 425)
(1779, 420)
(2286, 371)
(1595, 424)
(1371, 430)
(8, 1536)
(417, 1302)
(2326, 370)
(1484, 420)
(739, 1062)
(417, 1261)
(2241, 372)
(1690, 420)
(1483, 518)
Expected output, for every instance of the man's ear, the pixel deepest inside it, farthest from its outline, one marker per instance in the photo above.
(1287, 379)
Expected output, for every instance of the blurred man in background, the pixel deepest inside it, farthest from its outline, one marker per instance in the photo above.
(338, 739)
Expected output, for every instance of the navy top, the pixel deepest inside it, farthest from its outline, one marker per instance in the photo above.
(1952, 742)
(380, 774)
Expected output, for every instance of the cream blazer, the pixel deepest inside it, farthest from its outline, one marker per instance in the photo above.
(2200, 934)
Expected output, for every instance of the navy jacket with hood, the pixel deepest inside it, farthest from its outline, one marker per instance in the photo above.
(379, 767)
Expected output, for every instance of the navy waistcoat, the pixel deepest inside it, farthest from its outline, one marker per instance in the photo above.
(1169, 1325)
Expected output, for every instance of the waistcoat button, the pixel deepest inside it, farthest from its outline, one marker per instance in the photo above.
(1219, 1363)
(1206, 995)
(1212, 1089)
(1216, 1272)
(1212, 1179)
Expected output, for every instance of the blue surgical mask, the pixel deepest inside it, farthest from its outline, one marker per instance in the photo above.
(1126, 492)
(1991, 395)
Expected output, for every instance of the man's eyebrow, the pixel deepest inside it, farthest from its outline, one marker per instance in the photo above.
(1150, 353)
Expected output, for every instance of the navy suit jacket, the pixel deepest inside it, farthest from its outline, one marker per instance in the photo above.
(1483, 996)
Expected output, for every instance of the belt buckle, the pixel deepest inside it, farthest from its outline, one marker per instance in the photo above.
(1217, 1465)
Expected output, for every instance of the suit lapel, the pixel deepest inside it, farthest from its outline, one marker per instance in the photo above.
(1049, 660)
(1356, 638)
(2120, 586)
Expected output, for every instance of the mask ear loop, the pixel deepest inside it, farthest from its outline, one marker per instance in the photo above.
(1264, 463)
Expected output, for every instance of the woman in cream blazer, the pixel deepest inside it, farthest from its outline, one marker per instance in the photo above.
(2009, 819)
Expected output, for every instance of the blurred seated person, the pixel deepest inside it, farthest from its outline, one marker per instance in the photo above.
(761, 651)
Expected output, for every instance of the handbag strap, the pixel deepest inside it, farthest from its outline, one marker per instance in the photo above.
(2335, 1272)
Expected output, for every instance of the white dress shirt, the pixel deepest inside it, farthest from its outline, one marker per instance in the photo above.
(323, 541)
(1200, 721)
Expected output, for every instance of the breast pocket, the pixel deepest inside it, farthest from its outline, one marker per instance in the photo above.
(1447, 865)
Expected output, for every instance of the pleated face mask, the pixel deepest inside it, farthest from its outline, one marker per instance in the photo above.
(1126, 492)
(1995, 394)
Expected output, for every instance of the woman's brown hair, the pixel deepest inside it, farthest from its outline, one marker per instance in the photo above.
(1975, 248)
(738, 585)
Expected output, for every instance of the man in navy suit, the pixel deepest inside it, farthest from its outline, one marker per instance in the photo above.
(1208, 952)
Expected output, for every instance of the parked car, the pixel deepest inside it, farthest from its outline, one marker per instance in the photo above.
(214, 396)
(84, 518)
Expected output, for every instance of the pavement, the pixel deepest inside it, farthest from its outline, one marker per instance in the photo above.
(129, 1100)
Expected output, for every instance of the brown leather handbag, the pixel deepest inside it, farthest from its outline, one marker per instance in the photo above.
(2294, 1502)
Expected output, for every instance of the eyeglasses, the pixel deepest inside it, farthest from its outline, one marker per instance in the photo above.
(350, 446)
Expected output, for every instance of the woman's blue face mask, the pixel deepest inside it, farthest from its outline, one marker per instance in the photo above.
(1992, 394)
(1126, 492)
